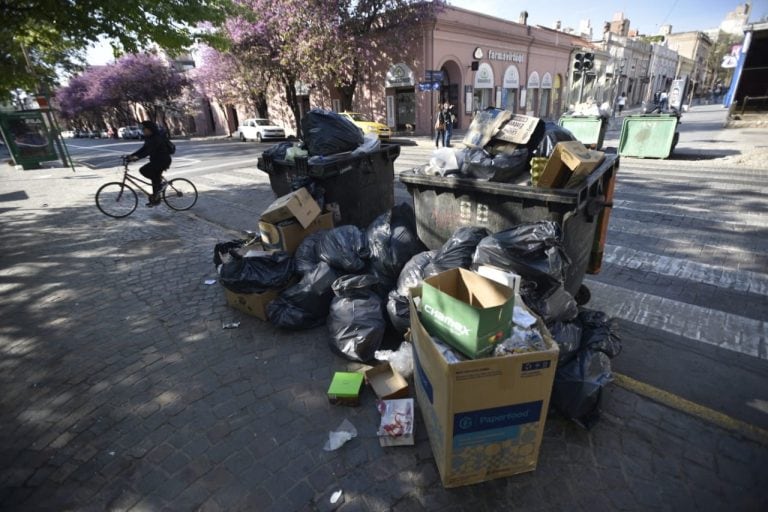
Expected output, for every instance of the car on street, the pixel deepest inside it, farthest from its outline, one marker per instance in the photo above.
(258, 129)
(129, 132)
(68, 134)
(368, 126)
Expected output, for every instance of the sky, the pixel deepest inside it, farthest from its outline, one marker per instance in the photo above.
(683, 15)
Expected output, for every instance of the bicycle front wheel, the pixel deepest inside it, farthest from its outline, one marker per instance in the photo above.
(116, 200)
(180, 194)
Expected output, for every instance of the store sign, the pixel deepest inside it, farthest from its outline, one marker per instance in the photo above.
(506, 56)
(511, 78)
(546, 81)
(484, 76)
(533, 81)
(399, 75)
(429, 86)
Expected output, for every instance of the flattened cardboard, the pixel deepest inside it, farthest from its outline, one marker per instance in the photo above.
(485, 125)
(519, 129)
(485, 417)
(386, 382)
(298, 204)
(569, 160)
(254, 304)
(467, 311)
(288, 235)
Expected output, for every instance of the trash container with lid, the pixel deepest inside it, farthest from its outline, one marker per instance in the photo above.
(362, 186)
(589, 130)
(444, 204)
(649, 135)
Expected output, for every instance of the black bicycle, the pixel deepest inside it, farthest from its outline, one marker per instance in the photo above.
(117, 199)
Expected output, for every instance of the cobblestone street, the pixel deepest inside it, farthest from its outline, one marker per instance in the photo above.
(121, 391)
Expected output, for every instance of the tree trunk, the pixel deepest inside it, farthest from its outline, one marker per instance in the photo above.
(223, 108)
(260, 102)
(289, 81)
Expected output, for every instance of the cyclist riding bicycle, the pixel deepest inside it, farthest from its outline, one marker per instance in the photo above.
(157, 148)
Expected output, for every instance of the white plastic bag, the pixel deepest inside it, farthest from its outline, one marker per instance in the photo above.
(370, 144)
(341, 435)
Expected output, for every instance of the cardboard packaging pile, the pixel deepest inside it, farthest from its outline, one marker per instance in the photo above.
(283, 226)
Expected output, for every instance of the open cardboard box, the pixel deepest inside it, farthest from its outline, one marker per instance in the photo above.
(287, 235)
(569, 163)
(386, 382)
(298, 204)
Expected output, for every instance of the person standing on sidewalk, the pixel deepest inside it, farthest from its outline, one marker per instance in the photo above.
(622, 101)
(449, 122)
(440, 127)
(158, 150)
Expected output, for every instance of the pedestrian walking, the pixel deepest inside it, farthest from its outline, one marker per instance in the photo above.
(440, 127)
(622, 101)
(450, 120)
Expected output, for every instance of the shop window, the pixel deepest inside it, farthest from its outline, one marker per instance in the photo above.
(544, 102)
(509, 99)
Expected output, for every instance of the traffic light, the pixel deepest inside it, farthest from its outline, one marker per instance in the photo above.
(578, 62)
(589, 61)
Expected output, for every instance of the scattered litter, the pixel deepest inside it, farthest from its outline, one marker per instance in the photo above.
(336, 496)
(341, 435)
(231, 325)
(396, 427)
(111, 454)
(401, 359)
(210, 281)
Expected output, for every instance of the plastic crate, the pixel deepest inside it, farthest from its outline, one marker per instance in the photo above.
(589, 130)
(649, 135)
(444, 204)
(362, 185)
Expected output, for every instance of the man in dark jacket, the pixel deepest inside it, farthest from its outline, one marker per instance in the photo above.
(157, 149)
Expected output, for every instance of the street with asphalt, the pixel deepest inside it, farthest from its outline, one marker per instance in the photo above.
(119, 389)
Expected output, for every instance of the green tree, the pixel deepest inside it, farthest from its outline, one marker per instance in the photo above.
(54, 33)
(721, 47)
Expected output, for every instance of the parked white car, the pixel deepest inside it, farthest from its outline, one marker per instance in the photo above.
(258, 130)
(130, 132)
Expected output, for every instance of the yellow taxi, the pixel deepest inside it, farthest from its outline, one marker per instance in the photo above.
(367, 125)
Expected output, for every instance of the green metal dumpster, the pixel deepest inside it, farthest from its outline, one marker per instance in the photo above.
(589, 130)
(649, 135)
(444, 204)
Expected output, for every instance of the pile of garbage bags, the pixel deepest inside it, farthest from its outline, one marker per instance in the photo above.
(490, 154)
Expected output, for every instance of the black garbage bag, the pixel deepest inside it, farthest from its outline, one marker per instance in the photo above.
(392, 241)
(344, 248)
(553, 133)
(327, 133)
(568, 338)
(226, 248)
(600, 332)
(305, 304)
(398, 312)
(306, 253)
(457, 251)
(257, 274)
(557, 306)
(504, 167)
(579, 384)
(278, 151)
(356, 320)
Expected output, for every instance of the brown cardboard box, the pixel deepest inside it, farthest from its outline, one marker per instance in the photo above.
(518, 129)
(299, 205)
(569, 160)
(386, 382)
(287, 235)
(484, 417)
(254, 304)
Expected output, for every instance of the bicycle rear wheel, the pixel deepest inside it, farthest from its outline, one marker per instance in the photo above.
(116, 200)
(180, 194)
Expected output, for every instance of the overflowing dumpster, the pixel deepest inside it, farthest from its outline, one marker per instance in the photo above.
(589, 130)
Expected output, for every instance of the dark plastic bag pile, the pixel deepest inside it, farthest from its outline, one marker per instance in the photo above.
(226, 248)
(278, 151)
(356, 320)
(412, 275)
(504, 167)
(553, 133)
(344, 248)
(306, 253)
(535, 252)
(392, 241)
(305, 304)
(457, 251)
(585, 371)
(327, 133)
(257, 274)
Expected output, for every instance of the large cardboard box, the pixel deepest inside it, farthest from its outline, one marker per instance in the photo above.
(298, 204)
(254, 304)
(469, 312)
(569, 161)
(485, 418)
(288, 235)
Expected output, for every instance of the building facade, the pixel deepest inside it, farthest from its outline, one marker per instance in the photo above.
(696, 47)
